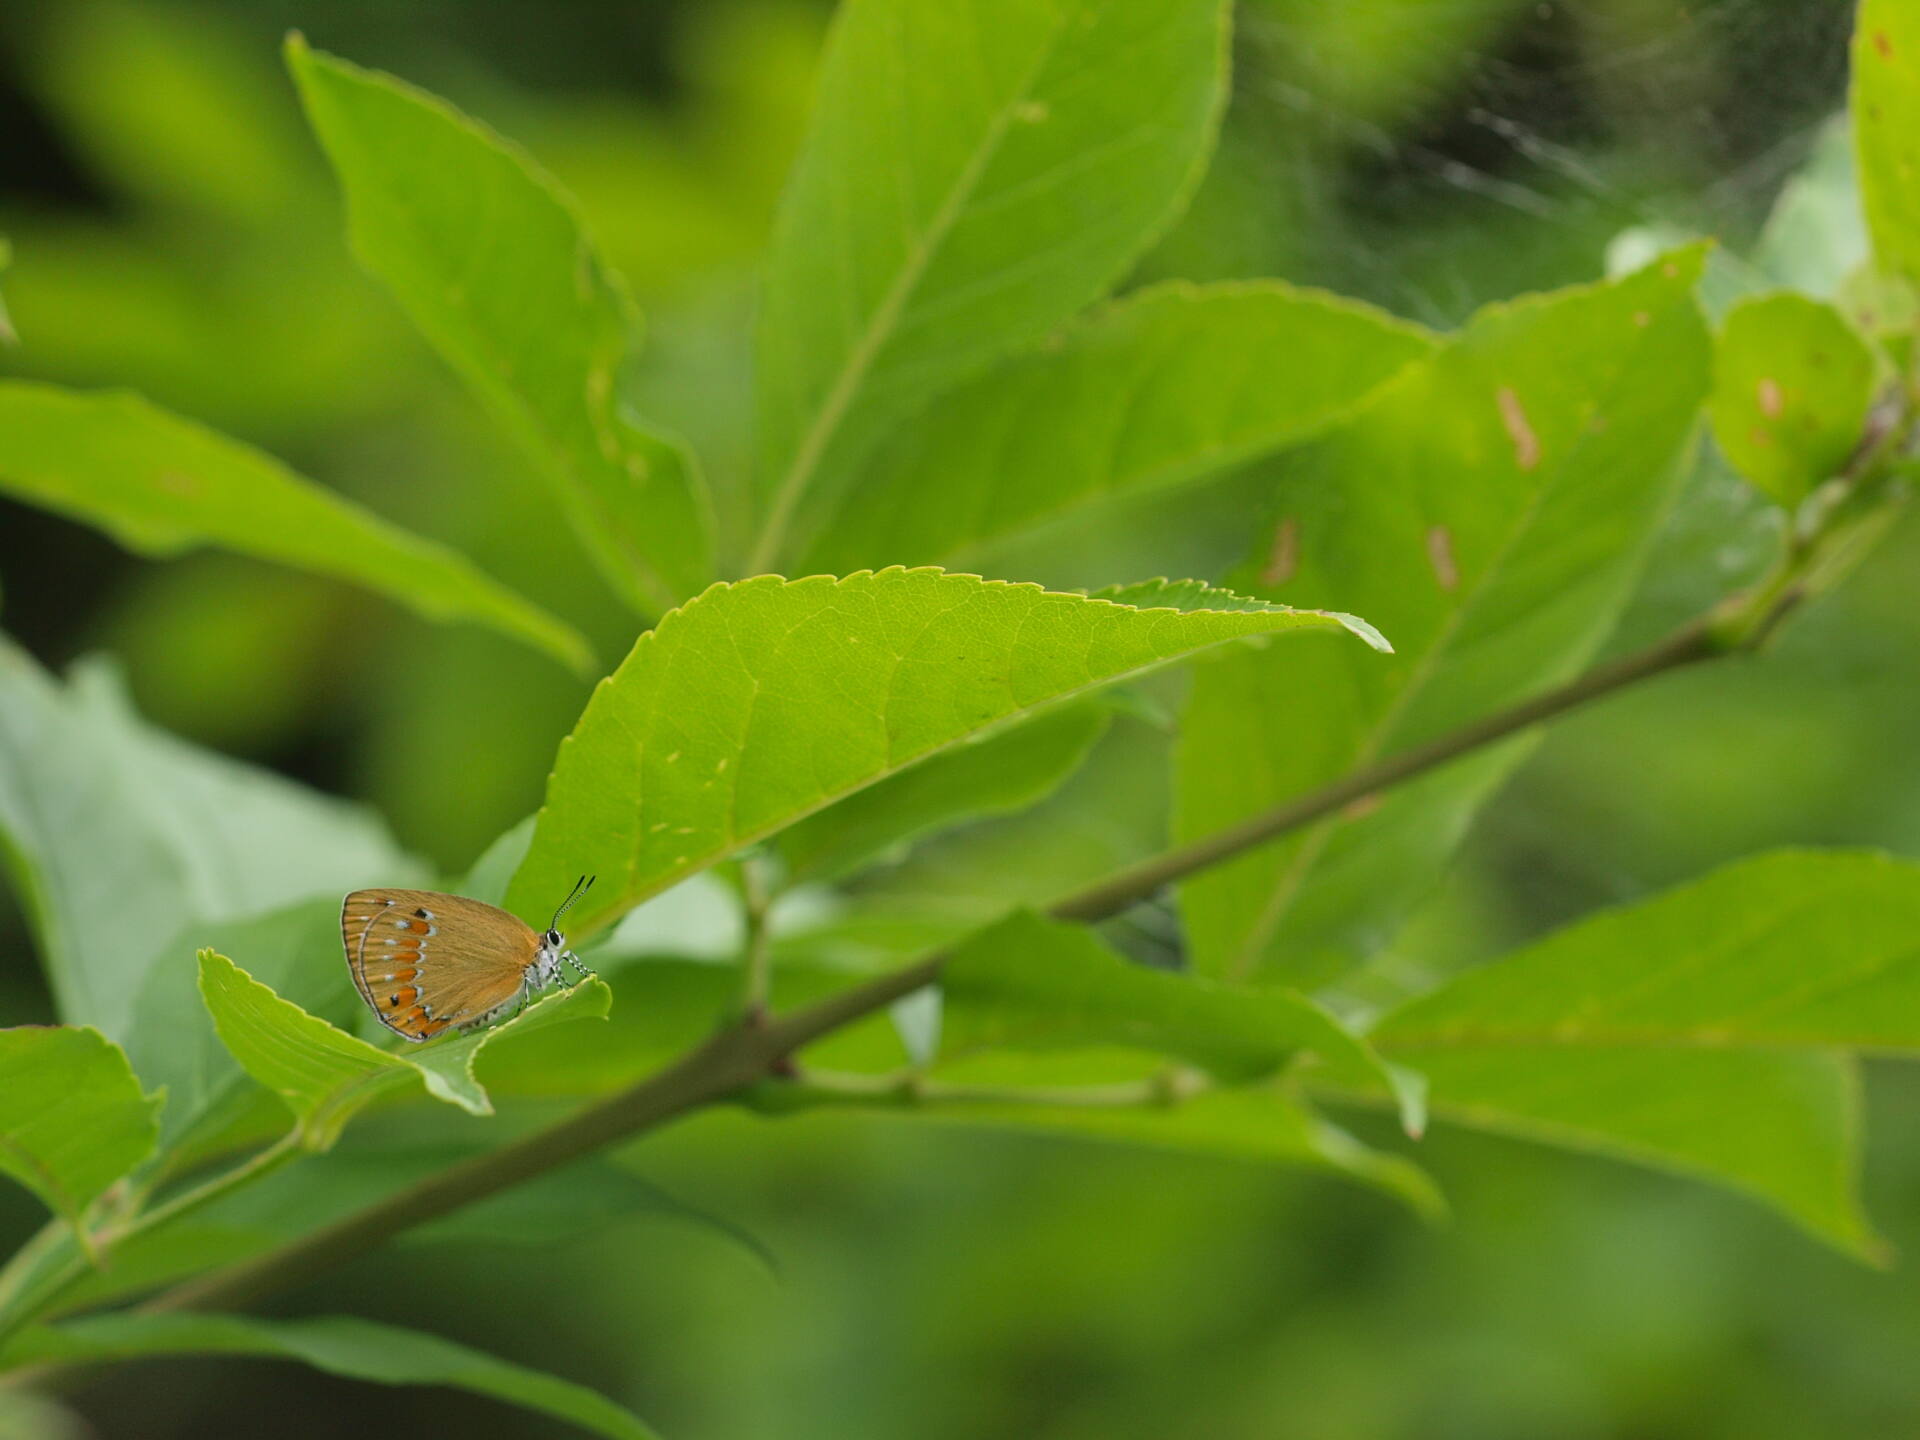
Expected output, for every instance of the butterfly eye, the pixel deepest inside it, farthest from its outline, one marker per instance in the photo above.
(555, 939)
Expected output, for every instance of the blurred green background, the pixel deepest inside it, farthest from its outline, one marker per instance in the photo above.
(174, 231)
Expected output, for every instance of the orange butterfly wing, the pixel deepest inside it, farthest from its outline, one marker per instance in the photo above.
(424, 961)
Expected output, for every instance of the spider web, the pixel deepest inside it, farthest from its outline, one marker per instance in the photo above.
(1432, 155)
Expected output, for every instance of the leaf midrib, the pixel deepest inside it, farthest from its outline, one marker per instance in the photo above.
(548, 447)
(880, 325)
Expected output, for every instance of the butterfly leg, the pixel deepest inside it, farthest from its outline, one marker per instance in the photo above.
(569, 958)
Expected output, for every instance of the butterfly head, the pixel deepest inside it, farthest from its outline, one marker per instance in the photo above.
(546, 957)
(553, 951)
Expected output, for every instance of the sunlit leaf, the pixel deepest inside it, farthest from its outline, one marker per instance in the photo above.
(72, 1117)
(1885, 108)
(486, 255)
(764, 701)
(337, 1344)
(326, 1076)
(1490, 514)
(161, 485)
(121, 838)
(1161, 388)
(1792, 383)
(976, 172)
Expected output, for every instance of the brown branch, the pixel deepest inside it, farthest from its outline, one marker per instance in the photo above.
(748, 1053)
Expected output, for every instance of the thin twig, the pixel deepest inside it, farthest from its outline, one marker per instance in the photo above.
(755, 964)
(40, 1296)
(814, 1089)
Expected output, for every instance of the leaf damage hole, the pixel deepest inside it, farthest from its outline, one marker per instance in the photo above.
(1440, 556)
(1767, 392)
(1283, 558)
(1526, 445)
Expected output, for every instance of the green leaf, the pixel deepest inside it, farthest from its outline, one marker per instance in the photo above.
(486, 255)
(338, 1344)
(72, 1117)
(378, 1156)
(1885, 107)
(1030, 983)
(121, 838)
(326, 1076)
(1491, 513)
(494, 868)
(1187, 596)
(1254, 1124)
(1780, 1126)
(976, 173)
(160, 484)
(1001, 774)
(1695, 1029)
(1161, 388)
(559, 1208)
(172, 1042)
(1792, 384)
(1259, 1123)
(764, 701)
(1795, 948)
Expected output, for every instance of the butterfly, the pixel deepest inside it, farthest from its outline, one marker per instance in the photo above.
(425, 962)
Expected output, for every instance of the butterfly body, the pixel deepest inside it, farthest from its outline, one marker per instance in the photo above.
(426, 962)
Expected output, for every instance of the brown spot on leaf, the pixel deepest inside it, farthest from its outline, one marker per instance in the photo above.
(1361, 808)
(1642, 319)
(1284, 556)
(1883, 44)
(178, 482)
(1440, 556)
(1771, 401)
(1526, 445)
(1760, 436)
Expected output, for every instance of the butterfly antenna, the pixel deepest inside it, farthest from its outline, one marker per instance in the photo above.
(580, 887)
